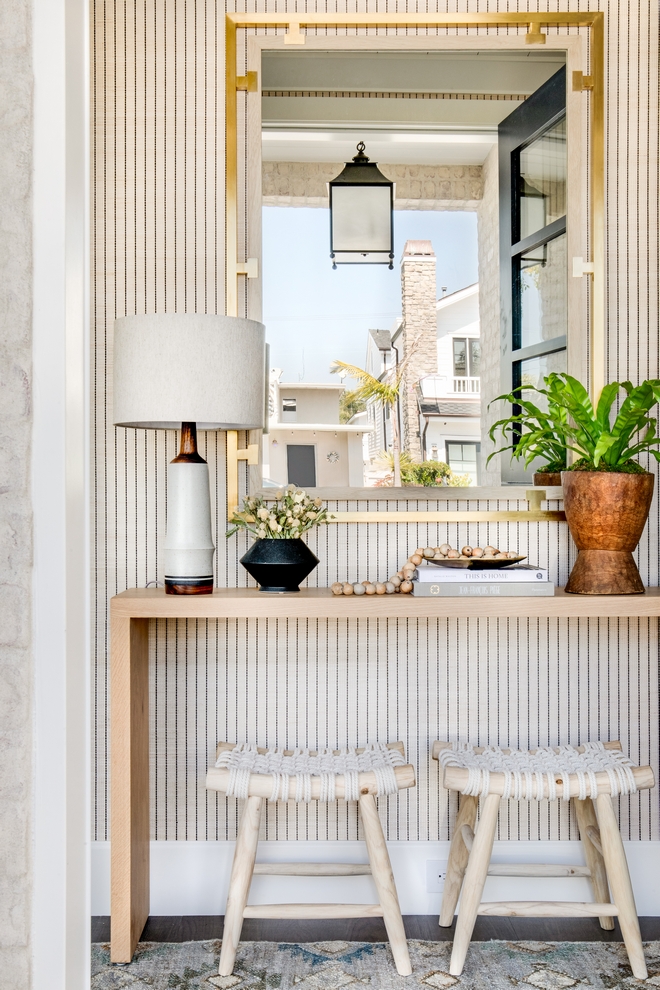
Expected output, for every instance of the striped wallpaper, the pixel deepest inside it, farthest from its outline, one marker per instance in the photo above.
(158, 229)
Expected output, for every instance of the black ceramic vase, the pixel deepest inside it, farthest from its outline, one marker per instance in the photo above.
(279, 565)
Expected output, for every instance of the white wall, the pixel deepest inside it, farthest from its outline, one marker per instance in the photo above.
(313, 405)
(16, 538)
(193, 877)
(459, 314)
(330, 473)
(460, 428)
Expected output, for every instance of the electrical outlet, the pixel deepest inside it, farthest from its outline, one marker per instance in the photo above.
(436, 873)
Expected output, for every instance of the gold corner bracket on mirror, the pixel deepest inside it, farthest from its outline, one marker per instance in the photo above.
(250, 455)
(535, 25)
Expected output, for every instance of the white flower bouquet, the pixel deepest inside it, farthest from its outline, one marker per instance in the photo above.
(291, 515)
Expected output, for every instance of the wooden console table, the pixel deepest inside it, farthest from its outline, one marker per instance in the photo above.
(130, 613)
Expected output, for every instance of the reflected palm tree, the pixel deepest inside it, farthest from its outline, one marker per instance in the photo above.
(385, 391)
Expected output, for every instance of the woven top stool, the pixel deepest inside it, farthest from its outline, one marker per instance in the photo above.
(590, 776)
(255, 774)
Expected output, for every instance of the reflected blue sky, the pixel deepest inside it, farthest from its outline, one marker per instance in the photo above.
(314, 314)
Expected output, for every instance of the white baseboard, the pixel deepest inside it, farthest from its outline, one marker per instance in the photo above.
(192, 877)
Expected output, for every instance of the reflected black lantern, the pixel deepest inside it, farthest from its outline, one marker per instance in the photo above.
(361, 215)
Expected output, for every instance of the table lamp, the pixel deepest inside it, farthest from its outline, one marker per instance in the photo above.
(190, 371)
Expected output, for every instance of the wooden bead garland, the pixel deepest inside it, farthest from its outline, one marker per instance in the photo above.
(401, 582)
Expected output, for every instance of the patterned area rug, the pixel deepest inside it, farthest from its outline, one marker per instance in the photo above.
(335, 965)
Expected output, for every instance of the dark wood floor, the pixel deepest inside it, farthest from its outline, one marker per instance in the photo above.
(194, 928)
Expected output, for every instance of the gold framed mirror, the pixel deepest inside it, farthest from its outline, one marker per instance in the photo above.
(577, 36)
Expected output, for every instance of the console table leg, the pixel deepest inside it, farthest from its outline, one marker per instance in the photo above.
(129, 741)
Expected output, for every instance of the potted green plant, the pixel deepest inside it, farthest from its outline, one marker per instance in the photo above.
(535, 434)
(607, 492)
(279, 559)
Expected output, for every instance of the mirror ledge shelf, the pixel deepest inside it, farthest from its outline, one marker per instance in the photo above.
(532, 514)
(414, 494)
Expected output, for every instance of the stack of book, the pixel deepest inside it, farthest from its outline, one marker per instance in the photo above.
(518, 579)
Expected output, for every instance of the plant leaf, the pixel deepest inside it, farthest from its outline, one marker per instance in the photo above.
(631, 419)
(605, 441)
(607, 397)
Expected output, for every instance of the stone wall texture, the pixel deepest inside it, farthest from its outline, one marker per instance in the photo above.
(15, 503)
(418, 187)
(489, 312)
(419, 334)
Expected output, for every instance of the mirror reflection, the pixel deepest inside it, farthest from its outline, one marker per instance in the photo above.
(381, 377)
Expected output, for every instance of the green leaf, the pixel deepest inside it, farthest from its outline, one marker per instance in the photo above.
(605, 441)
(631, 419)
(650, 433)
(643, 447)
(569, 422)
(570, 395)
(512, 396)
(607, 397)
(386, 391)
(579, 393)
(500, 450)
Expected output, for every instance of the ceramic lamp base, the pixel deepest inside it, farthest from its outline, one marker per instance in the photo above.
(189, 586)
(189, 543)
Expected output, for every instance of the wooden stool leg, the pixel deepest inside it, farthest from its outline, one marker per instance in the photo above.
(381, 870)
(473, 885)
(586, 816)
(239, 884)
(619, 878)
(458, 858)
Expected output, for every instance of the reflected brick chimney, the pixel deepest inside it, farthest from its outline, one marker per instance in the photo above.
(418, 339)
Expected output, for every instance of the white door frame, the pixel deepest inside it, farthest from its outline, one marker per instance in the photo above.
(60, 930)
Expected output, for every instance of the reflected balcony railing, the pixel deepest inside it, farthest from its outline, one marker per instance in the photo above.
(446, 386)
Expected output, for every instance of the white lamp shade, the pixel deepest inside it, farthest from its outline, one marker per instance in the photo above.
(188, 368)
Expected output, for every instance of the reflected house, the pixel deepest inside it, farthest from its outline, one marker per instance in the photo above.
(437, 343)
(449, 401)
(306, 444)
(378, 362)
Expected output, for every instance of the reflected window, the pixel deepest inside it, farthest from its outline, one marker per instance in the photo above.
(540, 290)
(542, 181)
(467, 357)
(463, 459)
(289, 407)
(534, 370)
(460, 357)
(475, 357)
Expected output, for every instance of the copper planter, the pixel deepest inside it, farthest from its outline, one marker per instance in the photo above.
(547, 479)
(606, 514)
